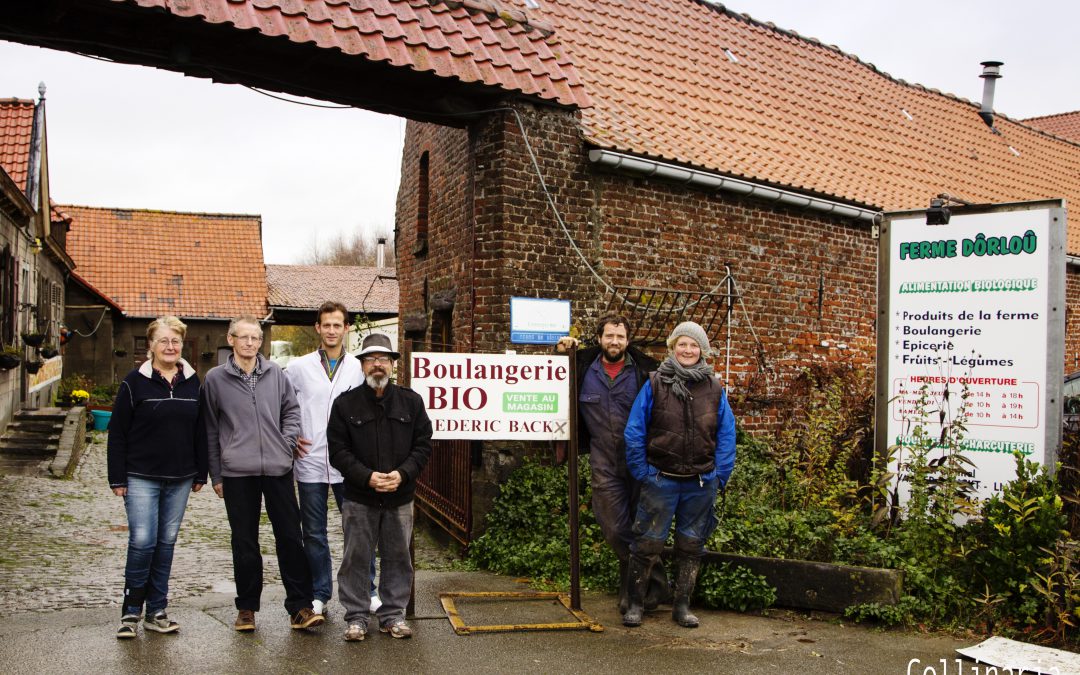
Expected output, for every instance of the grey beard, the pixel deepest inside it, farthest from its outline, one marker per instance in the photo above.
(377, 381)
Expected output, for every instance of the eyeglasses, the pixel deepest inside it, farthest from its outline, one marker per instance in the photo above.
(382, 360)
(255, 339)
(169, 342)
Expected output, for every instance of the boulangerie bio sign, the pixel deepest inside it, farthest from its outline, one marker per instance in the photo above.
(494, 396)
(971, 322)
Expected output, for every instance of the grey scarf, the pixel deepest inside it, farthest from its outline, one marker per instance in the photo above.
(675, 375)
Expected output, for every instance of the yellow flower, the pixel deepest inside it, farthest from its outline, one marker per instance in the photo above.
(80, 395)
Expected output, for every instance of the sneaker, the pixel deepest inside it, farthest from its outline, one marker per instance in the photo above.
(376, 602)
(355, 632)
(397, 629)
(319, 607)
(306, 618)
(160, 623)
(129, 627)
(245, 621)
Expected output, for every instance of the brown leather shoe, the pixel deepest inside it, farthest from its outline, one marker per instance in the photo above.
(306, 618)
(245, 621)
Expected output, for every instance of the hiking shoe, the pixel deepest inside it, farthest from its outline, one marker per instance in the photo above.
(245, 621)
(397, 629)
(129, 627)
(306, 618)
(355, 632)
(160, 623)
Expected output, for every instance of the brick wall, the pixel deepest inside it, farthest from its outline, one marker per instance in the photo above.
(804, 279)
(1072, 319)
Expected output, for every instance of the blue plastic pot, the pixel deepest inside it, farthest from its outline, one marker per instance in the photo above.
(101, 419)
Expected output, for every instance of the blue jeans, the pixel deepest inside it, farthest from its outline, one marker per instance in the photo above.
(155, 509)
(688, 502)
(313, 514)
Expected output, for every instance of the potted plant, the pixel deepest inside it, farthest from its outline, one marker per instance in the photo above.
(32, 366)
(78, 397)
(10, 357)
(33, 339)
(48, 350)
(102, 396)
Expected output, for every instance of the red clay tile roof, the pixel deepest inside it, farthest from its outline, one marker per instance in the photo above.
(480, 41)
(360, 289)
(16, 128)
(56, 215)
(189, 264)
(1064, 125)
(790, 111)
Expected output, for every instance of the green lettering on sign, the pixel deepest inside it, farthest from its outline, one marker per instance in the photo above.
(530, 402)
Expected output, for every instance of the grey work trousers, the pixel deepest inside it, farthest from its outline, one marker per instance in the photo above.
(390, 529)
(614, 502)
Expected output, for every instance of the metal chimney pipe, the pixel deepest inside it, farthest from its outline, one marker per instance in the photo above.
(380, 253)
(991, 72)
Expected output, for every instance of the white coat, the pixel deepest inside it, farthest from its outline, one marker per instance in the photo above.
(316, 393)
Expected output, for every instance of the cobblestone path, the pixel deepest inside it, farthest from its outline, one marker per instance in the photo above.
(63, 543)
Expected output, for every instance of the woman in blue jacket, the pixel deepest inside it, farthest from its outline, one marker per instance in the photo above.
(680, 444)
(156, 457)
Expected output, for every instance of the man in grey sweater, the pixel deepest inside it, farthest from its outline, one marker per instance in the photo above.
(252, 425)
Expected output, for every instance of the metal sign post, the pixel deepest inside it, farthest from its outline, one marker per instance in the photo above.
(572, 471)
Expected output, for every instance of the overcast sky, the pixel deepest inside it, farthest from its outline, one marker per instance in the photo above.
(135, 137)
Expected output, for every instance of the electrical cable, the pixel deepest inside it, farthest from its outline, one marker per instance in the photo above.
(91, 333)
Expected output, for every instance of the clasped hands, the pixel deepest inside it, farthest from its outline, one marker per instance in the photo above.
(385, 482)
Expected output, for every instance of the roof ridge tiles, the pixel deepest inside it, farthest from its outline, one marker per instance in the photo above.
(1046, 117)
(244, 216)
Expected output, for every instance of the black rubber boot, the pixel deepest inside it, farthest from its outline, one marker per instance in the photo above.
(688, 554)
(659, 592)
(624, 588)
(637, 581)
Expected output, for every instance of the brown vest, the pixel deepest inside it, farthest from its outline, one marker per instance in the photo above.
(682, 435)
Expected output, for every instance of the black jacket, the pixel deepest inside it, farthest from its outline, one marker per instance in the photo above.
(156, 432)
(366, 433)
(643, 365)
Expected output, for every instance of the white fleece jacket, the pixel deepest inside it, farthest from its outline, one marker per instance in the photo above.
(316, 393)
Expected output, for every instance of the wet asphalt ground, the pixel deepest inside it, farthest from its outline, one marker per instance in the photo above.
(62, 547)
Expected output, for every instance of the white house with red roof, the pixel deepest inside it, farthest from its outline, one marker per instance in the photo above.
(33, 261)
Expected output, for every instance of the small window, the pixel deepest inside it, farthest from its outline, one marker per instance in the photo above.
(422, 198)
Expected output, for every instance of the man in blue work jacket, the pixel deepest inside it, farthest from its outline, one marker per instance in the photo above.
(609, 376)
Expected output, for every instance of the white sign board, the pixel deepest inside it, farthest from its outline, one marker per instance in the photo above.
(976, 308)
(538, 321)
(494, 396)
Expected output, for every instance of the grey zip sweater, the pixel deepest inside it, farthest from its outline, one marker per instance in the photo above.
(249, 433)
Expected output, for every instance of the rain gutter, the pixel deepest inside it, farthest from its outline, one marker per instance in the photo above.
(714, 181)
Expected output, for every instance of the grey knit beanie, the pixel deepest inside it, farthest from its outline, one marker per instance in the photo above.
(692, 330)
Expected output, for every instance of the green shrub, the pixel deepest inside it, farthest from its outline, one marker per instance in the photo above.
(528, 533)
(733, 587)
(1020, 526)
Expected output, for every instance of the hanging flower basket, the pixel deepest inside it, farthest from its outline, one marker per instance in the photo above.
(32, 366)
(48, 351)
(120, 352)
(33, 339)
(9, 361)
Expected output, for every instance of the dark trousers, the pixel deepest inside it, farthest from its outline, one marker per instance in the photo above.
(243, 503)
